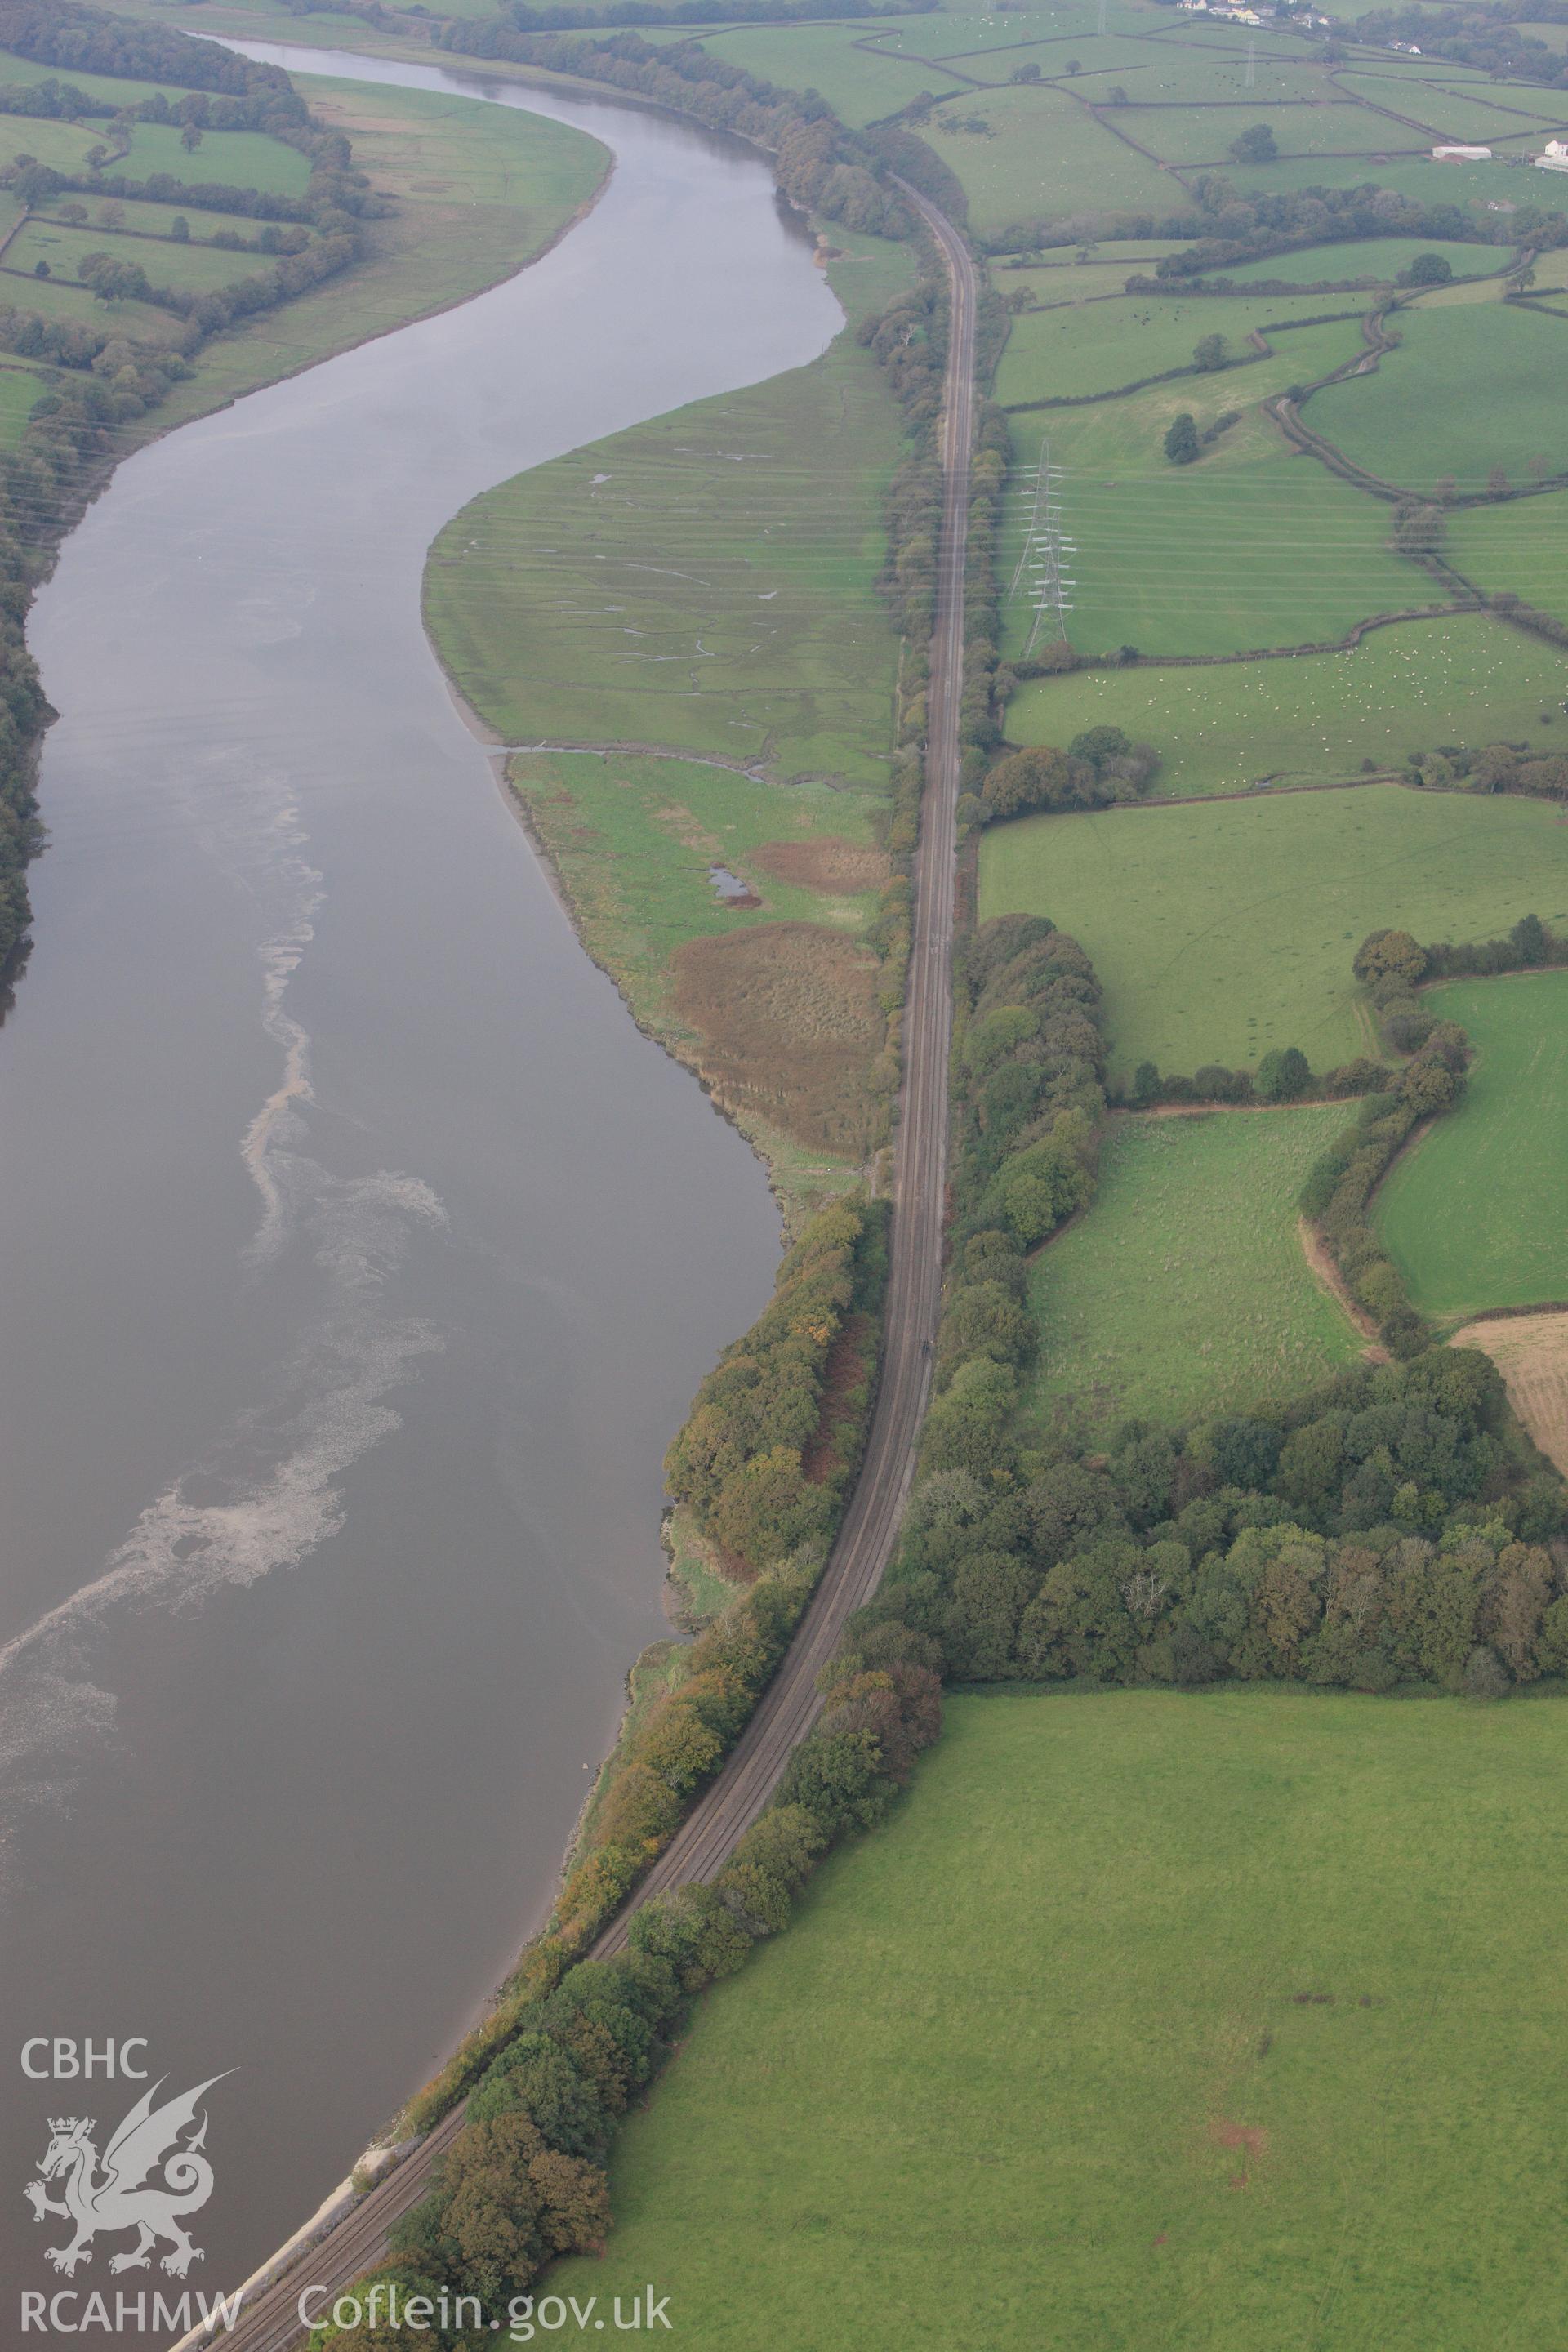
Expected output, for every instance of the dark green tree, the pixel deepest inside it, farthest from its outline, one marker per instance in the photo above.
(1182, 443)
(1255, 145)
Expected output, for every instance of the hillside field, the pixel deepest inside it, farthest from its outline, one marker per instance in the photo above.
(1466, 679)
(1153, 2022)
(1220, 930)
(1472, 385)
(1183, 1293)
(1186, 559)
(1061, 352)
(1473, 1212)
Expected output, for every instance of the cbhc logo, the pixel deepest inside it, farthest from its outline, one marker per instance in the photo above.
(68, 2061)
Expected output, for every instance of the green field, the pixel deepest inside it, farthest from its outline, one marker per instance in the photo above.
(1186, 559)
(1153, 2022)
(1472, 1216)
(1067, 353)
(1517, 546)
(651, 589)
(1382, 258)
(1221, 929)
(62, 145)
(1201, 134)
(1453, 112)
(189, 268)
(1045, 156)
(828, 57)
(1466, 679)
(637, 842)
(1183, 1293)
(1476, 186)
(238, 159)
(1471, 387)
(138, 322)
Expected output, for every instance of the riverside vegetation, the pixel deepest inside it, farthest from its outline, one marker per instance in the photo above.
(1327, 1502)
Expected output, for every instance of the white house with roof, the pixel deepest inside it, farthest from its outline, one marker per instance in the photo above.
(1555, 158)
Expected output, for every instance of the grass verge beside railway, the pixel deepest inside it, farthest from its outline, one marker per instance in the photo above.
(1032, 2069)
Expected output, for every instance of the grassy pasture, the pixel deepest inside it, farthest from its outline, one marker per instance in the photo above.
(1469, 388)
(827, 57)
(1517, 546)
(1201, 134)
(1070, 354)
(1382, 258)
(1299, 355)
(644, 590)
(1221, 929)
(238, 159)
(1186, 559)
(1183, 1292)
(62, 145)
(1099, 60)
(146, 220)
(1046, 156)
(1076, 282)
(967, 33)
(1472, 1215)
(138, 322)
(1205, 2021)
(1455, 110)
(1477, 185)
(1176, 71)
(1464, 678)
(191, 269)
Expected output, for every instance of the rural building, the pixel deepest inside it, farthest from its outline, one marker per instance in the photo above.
(1555, 158)
(1461, 154)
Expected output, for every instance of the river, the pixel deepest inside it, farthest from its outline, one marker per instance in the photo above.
(358, 1257)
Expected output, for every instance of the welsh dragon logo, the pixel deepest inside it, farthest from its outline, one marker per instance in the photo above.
(125, 2195)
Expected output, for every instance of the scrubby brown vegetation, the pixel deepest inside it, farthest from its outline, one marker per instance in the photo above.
(827, 863)
(790, 1024)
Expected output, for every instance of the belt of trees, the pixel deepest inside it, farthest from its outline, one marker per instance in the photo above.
(1100, 767)
(1284, 1075)
(84, 39)
(57, 102)
(757, 1463)
(819, 163)
(1489, 36)
(1341, 1183)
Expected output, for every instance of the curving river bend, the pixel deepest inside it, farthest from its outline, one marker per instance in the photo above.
(358, 1257)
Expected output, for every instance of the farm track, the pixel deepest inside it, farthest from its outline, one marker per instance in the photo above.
(269, 2323)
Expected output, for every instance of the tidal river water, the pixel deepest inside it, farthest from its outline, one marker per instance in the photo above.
(358, 1257)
